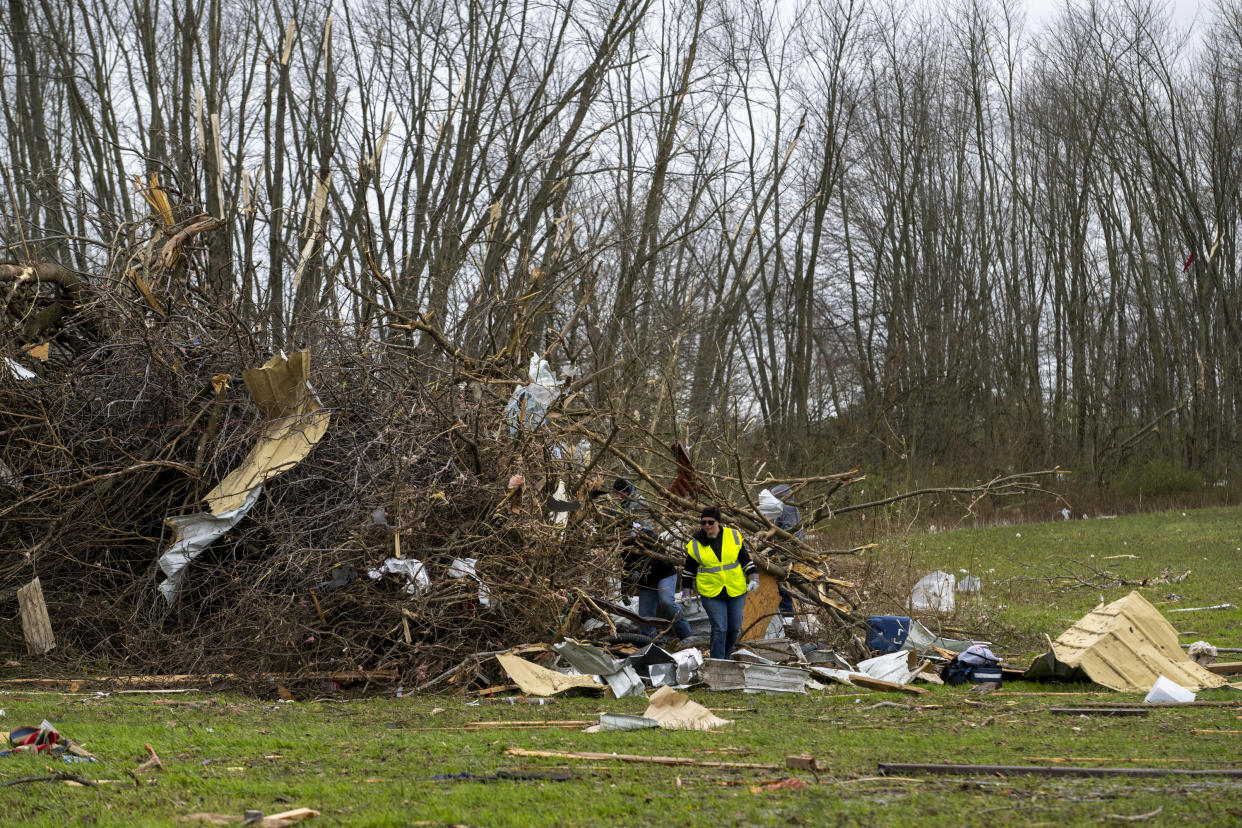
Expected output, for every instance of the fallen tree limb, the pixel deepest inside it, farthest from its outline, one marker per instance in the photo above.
(1046, 770)
(58, 776)
(629, 757)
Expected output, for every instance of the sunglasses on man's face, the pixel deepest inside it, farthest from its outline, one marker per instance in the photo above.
(708, 522)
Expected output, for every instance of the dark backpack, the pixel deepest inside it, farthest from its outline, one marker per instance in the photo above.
(955, 672)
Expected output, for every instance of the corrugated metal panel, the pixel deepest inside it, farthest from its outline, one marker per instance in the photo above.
(1127, 645)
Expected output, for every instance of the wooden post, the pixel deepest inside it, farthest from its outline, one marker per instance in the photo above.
(36, 626)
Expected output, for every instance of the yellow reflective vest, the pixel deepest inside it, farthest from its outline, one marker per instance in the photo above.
(720, 573)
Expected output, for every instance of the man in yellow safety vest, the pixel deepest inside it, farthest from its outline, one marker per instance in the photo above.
(723, 574)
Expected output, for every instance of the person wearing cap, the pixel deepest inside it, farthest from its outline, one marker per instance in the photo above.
(655, 578)
(723, 575)
(788, 519)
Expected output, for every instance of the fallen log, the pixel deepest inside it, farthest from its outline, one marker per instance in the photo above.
(629, 757)
(1046, 770)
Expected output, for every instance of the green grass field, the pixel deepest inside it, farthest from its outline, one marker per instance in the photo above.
(374, 761)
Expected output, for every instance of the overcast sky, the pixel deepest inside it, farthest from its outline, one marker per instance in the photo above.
(1184, 11)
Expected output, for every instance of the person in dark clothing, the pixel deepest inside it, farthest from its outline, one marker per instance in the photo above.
(788, 519)
(655, 579)
(723, 575)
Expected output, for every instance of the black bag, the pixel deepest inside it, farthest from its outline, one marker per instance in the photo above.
(955, 672)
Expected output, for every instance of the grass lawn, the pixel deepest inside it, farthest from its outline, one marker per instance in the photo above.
(373, 761)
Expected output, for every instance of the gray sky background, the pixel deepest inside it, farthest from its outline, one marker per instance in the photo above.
(1184, 11)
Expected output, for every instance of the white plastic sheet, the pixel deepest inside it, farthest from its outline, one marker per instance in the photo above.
(416, 578)
(464, 568)
(529, 404)
(769, 505)
(194, 534)
(934, 592)
(19, 371)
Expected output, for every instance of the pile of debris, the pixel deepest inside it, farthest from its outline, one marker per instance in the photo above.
(181, 500)
(1126, 645)
(183, 497)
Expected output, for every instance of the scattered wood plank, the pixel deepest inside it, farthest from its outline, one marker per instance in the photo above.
(528, 724)
(803, 761)
(1100, 711)
(1048, 770)
(36, 625)
(288, 817)
(629, 757)
(888, 686)
(1224, 668)
(1216, 733)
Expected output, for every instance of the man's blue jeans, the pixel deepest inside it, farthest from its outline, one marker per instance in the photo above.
(661, 602)
(725, 615)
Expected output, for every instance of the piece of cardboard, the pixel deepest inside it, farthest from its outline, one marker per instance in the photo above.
(1127, 645)
(296, 421)
(540, 681)
(675, 711)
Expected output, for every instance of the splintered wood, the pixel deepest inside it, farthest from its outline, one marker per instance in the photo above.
(36, 626)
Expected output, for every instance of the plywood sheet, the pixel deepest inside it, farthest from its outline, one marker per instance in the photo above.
(760, 606)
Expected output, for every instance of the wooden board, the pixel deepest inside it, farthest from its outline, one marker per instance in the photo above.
(761, 605)
(36, 626)
(889, 686)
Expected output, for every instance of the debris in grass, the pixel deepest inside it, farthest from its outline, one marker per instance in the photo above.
(723, 674)
(152, 763)
(45, 739)
(540, 681)
(506, 776)
(790, 784)
(630, 757)
(934, 592)
(54, 776)
(803, 761)
(1136, 817)
(900, 667)
(1167, 691)
(675, 711)
(1044, 770)
(1201, 652)
(609, 722)
(1125, 645)
(1197, 609)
